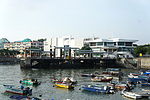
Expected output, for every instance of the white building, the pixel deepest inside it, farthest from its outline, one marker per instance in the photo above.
(99, 46)
(63, 42)
(111, 45)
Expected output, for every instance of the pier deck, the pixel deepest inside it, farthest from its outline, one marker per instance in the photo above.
(67, 63)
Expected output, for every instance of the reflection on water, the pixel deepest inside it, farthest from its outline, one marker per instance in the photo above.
(12, 74)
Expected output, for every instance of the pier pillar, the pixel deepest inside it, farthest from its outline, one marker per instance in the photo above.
(69, 53)
(51, 53)
(54, 54)
(60, 53)
(90, 55)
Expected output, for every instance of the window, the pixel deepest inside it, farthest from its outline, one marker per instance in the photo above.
(110, 43)
(120, 43)
(128, 43)
(93, 44)
(99, 43)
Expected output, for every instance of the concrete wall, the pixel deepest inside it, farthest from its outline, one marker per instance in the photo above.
(144, 62)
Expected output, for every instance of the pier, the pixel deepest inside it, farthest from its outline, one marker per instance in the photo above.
(59, 63)
(68, 58)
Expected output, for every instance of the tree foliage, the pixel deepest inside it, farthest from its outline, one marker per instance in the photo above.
(41, 40)
(6, 52)
(144, 49)
(86, 47)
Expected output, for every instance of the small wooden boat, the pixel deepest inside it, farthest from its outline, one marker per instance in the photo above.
(97, 88)
(88, 75)
(29, 82)
(134, 75)
(102, 79)
(65, 80)
(145, 83)
(64, 85)
(131, 95)
(15, 90)
(140, 78)
(22, 97)
(121, 86)
(113, 71)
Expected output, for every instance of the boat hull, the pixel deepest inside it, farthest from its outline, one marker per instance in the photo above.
(94, 90)
(14, 90)
(64, 86)
(131, 95)
(101, 80)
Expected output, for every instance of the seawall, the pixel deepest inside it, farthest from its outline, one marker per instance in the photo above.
(143, 62)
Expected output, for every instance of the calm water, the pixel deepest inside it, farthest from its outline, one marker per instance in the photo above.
(11, 74)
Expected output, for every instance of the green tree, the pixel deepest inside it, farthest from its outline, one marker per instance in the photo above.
(6, 52)
(41, 40)
(86, 47)
(144, 49)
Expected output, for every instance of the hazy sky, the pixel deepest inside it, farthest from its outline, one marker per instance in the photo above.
(20, 19)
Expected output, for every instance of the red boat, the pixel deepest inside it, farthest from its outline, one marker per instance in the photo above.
(15, 90)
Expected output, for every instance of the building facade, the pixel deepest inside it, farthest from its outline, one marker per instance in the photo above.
(24, 44)
(64, 43)
(115, 46)
(110, 45)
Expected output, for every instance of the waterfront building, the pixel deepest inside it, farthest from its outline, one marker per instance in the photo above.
(2, 42)
(65, 43)
(113, 45)
(23, 45)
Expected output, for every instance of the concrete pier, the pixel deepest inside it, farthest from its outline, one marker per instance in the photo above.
(143, 62)
(59, 63)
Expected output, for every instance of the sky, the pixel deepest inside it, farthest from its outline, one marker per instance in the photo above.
(35, 19)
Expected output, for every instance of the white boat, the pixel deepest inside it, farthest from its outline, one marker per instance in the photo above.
(131, 95)
(134, 75)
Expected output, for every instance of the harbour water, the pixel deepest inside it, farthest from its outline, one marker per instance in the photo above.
(12, 74)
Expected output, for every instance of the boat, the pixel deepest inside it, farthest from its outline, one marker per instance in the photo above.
(131, 95)
(145, 83)
(18, 97)
(29, 82)
(64, 85)
(22, 97)
(65, 80)
(113, 71)
(102, 79)
(134, 75)
(121, 85)
(139, 79)
(17, 90)
(69, 80)
(88, 75)
(97, 88)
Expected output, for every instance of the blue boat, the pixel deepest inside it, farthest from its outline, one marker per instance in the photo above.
(141, 78)
(98, 89)
(145, 84)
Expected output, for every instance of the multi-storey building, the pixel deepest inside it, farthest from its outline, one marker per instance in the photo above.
(63, 43)
(121, 47)
(110, 45)
(24, 44)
